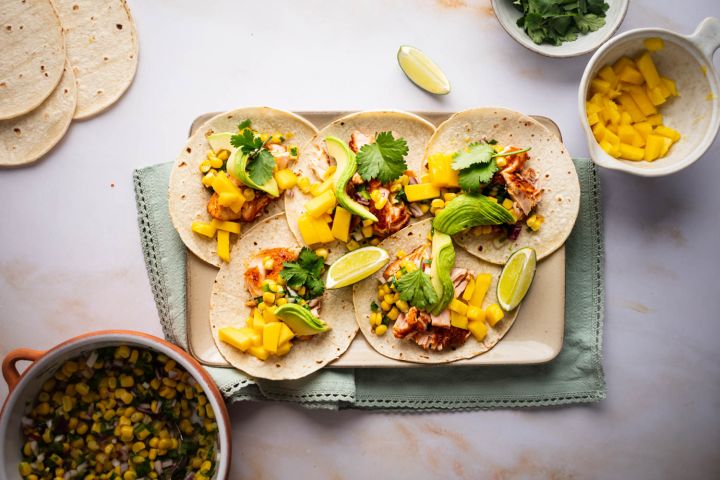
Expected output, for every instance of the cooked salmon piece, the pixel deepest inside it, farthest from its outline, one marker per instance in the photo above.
(256, 272)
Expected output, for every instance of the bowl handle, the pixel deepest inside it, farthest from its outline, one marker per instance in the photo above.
(707, 36)
(10, 371)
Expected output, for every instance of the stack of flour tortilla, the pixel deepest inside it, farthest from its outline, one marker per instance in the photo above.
(61, 60)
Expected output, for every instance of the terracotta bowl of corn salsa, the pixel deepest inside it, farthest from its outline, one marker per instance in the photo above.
(112, 405)
(649, 99)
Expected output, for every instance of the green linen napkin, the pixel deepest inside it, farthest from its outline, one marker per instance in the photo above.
(574, 376)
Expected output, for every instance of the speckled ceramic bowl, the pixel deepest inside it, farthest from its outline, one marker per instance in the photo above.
(695, 113)
(508, 16)
(23, 388)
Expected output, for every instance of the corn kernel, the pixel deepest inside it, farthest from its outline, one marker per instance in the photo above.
(249, 194)
(507, 203)
(322, 252)
(384, 306)
(402, 305)
(304, 184)
(268, 298)
(437, 203)
(380, 204)
(367, 231)
(268, 263)
(449, 196)
(393, 314)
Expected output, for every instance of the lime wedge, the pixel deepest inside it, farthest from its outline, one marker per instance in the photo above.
(355, 266)
(516, 277)
(422, 71)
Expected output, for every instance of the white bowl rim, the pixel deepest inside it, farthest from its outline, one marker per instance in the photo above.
(49, 360)
(599, 157)
(547, 50)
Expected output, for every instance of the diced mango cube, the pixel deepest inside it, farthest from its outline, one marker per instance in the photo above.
(668, 132)
(271, 334)
(317, 189)
(341, 224)
(283, 349)
(667, 142)
(493, 314)
(653, 44)
(207, 229)
(654, 147)
(631, 107)
(598, 99)
(475, 313)
(319, 205)
(643, 128)
(421, 191)
(591, 108)
(441, 171)
(286, 334)
(621, 63)
(611, 137)
(593, 119)
(599, 86)
(655, 120)
(630, 75)
(642, 100)
(479, 329)
(647, 68)
(626, 133)
(656, 95)
(670, 86)
(469, 290)
(609, 148)
(482, 283)
(258, 321)
(608, 74)
(259, 352)
(629, 152)
(458, 306)
(286, 179)
(240, 338)
(625, 118)
(458, 320)
(223, 245)
(228, 226)
(314, 230)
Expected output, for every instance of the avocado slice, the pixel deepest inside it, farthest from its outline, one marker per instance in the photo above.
(300, 320)
(345, 169)
(237, 167)
(443, 261)
(220, 141)
(466, 211)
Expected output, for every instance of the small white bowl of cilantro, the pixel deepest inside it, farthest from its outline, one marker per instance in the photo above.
(560, 28)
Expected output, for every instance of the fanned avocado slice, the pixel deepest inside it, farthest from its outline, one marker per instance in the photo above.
(237, 167)
(220, 141)
(443, 261)
(465, 211)
(300, 320)
(345, 169)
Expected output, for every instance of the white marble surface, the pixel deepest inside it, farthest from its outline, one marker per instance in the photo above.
(70, 259)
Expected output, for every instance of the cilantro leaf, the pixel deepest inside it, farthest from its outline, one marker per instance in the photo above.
(247, 141)
(306, 271)
(261, 167)
(558, 21)
(383, 159)
(589, 22)
(416, 289)
(244, 124)
(475, 153)
(473, 178)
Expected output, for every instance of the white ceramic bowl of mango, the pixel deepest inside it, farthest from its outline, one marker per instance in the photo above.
(695, 113)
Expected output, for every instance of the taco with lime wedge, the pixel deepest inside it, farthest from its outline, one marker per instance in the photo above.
(269, 313)
(498, 180)
(433, 303)
(353, 174)
(233, 173)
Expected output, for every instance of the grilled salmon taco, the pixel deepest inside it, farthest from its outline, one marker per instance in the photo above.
(269, 313)
(353, 177)
(498, 180)
(433, 303)
(233, 173)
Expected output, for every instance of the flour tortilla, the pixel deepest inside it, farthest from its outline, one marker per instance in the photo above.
(188, 198)
(26, 138)
(102, 47)
(32, 55)
(227, 308)
(548, 157)
(365, 292)
(414, 129)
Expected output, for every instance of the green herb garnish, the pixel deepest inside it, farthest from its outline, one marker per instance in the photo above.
(558, 21)
(244, 124)
(476, 165)
(416, 289)
(306, 271)
(261, 162)
(383, 159)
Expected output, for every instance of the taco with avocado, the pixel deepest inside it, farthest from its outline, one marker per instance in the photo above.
(269, 313)
(498, 181)
(233, 173)
(353, 178)
(433, 303)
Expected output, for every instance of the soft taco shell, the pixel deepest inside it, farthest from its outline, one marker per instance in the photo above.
(26, 138)
(365, 292)
(548, 157)
(188, 198)
(102, 47)
(33, 55)
(227, 308)
(414, 129)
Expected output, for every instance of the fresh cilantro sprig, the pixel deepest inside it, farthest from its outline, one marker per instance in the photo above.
(384, 159)
(306, 271)
(247, 123)
(476, 165)
(416, 288)
(558, 21)
(261, 162)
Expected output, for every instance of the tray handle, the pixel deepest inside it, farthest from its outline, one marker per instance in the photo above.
(10, 371)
